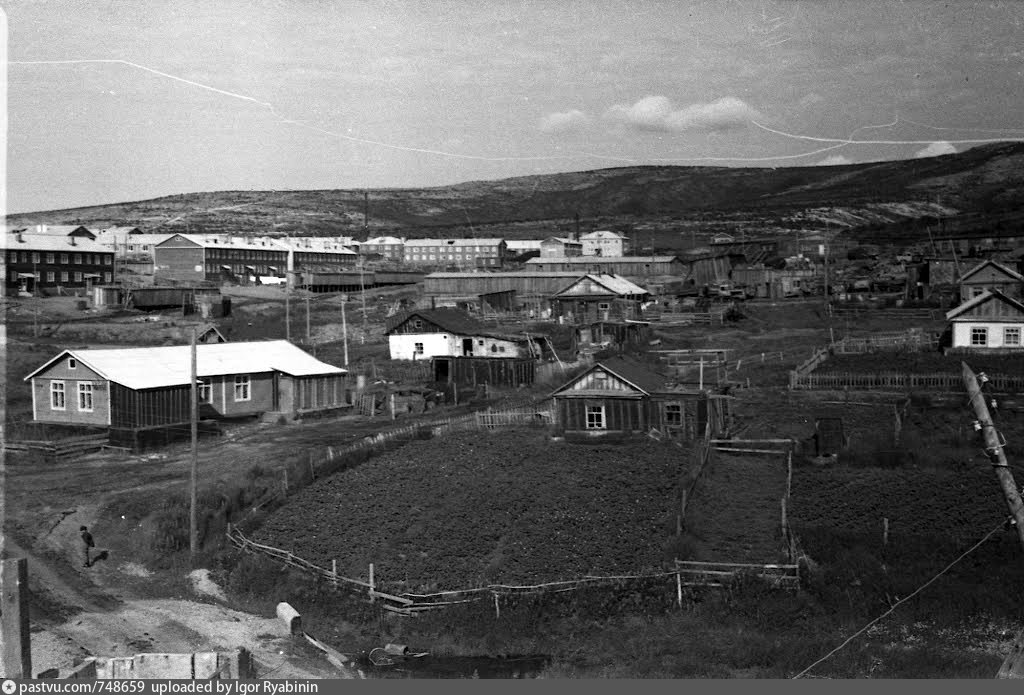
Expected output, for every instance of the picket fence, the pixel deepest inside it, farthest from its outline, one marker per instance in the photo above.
(899, 381)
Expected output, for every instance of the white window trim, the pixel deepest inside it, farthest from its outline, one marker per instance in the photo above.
(72, 363)
(63, 395)
(983, 332)
(85, 387)
(1011, 330)
(588, 412)
(245, 382)
(207, 384)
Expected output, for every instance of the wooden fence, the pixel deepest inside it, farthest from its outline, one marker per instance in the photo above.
(719, 574)
(911, 314)
(490, 420)
(912, 340)
(60, 449)
(898, 381)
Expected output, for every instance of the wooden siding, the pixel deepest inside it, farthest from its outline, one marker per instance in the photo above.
(130, 409)
(992, 309)
(628, 415)
(494, 371)
(312, 393)
(600, 380)
(530, 284)
(71, 415)
(410, 327)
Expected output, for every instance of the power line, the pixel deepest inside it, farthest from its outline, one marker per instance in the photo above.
(896, 605)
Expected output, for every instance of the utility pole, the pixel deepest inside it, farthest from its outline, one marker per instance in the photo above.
(344, 327)
(288, 308)
(994, 449)
(193, 527)
(307, 318)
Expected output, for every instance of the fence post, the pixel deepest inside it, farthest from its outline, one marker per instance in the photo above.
(285, 481)
(885, 530)
(334, 573)
(372, 585)
(679, 590)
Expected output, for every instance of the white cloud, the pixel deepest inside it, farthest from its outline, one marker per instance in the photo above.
(658, 113)
(563, 121)
(935, 149)
(834, 160)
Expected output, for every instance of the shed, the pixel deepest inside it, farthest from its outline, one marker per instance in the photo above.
(509, 372)
(599, 298)
(623, 396)
(444, 332)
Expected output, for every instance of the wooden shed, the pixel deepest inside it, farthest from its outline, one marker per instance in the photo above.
(622, 396)
(509, 372)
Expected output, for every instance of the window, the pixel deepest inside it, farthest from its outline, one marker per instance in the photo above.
(1011, 336)
(417, 324)
(979, 336)
(603, 306)
(106, 277)
(85, 397)
(205, 390)
(64, 276)
(72, 363)
(418, 348)
(35, 257)
(494, 348)
(24, 256)
(64, 258)
(501, 348)
(51, 276)
(108, 260)
(673, 414)
(479, 342)
(49, 258)
(595, 417)
(78, 277)
(13, 256)
(78, 259)
(57, 395)
(977, 291)
(242, 388)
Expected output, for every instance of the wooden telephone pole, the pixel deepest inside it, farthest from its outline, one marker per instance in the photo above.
(193, 525)
(1013, 666)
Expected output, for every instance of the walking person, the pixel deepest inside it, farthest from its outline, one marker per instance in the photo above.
(87, 544)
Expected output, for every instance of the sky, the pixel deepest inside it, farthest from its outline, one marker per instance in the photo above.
(117, 100)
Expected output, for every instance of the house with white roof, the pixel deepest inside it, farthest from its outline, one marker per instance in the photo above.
(599, 298)
(990, 322)
(604, 243)
(218, 258)
(389, 248)
(145, 388)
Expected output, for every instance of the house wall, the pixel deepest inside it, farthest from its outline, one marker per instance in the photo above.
(973, 287)
(403, 346)
(962, 333)
(474, 284)
(261, 395)
(179, 259)
(628, 415)
(602, 246)
(71, 414)
(53, 269)
(312, 393)
(163, 407)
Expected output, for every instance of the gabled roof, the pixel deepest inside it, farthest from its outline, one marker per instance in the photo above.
(615, 284)
(602, 234)
(156, 367)
(632, 372)
(560, 240)
(219, 241)
(385, 241)
(1009, 272)
(981, 299)
(451, 320)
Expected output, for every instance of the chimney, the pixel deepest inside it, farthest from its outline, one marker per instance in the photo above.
(20, 239)
(73, 243)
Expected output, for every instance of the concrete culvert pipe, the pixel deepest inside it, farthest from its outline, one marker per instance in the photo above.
(396, 649)
(290, 617)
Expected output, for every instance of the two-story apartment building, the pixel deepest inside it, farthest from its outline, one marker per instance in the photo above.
(389, 248)
(195, 258)
(462, 253)
(317, 254)
(53, 264)
(604, 243)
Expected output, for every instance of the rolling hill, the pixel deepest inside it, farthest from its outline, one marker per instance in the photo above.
(972, 184)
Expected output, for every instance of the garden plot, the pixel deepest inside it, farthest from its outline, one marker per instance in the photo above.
(468, 509)
(735, 513)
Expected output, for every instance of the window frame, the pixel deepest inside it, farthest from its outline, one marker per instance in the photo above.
(243, 382)
(674, 414)
(417, 348)
(61, 391)
(1012, 330)
(599, 421)
(979, 336)
(204, 389)
(85, 393)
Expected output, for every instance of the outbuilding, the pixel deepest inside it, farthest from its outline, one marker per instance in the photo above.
(599, 298)
(446, 332)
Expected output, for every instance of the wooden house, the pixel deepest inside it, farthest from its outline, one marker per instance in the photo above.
(990, 322)
(599, 298)
(130, 390)
(990, 275)
(621, 396)
(560, 247)
(445, 332)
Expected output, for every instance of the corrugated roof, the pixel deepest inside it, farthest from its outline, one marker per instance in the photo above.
(981, 299)
(49, 242)
(636, 373)
(156, 367)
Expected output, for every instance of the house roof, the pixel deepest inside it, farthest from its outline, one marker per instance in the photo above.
(613, 283)
(453, 321)
(229, 242)
(385, 241)
(156, 367)
(560, 240)
(584, 260)
(981, 299)
(453, 242)
(52, 229)
(315, 245)
(50, 242)
(602, 234)
(1009, 272)
(638, 375)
